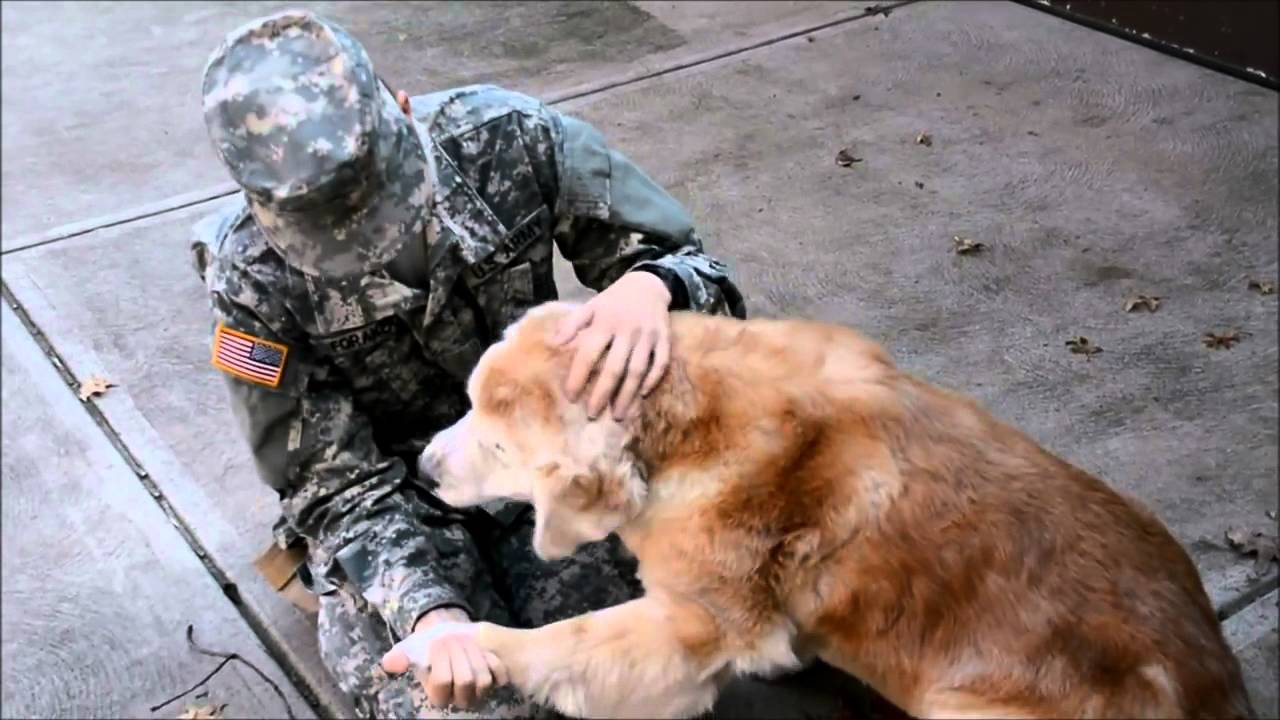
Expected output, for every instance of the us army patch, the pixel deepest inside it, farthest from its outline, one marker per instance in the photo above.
(248, 357)
(510, 246)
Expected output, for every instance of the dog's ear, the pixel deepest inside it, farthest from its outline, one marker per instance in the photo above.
(800, 548)
(574, 505)
(607, 486)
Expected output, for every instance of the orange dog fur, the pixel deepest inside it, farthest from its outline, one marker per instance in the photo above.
(790, 494)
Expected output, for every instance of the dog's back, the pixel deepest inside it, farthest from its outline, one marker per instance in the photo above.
(943, 556)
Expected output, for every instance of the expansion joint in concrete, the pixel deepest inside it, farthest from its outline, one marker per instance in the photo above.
(186, 200)
(255, 623)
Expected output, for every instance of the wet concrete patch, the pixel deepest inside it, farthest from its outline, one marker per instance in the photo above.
(102, 108)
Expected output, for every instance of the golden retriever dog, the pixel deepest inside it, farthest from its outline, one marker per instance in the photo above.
(790, 494)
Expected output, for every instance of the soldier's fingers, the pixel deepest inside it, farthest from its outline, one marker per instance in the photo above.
(479, 668)
(641, 355)
(590, 347)
(661, 358)
(573, 323)
(395, 661)
(439, 681)
(500, 675)
(464, 679)
(610, 374)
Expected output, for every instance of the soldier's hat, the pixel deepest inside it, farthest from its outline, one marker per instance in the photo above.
(334, 173)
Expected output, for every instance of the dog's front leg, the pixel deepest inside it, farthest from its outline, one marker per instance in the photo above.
(651, 657)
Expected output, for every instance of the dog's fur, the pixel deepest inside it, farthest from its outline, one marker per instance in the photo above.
(790, 494)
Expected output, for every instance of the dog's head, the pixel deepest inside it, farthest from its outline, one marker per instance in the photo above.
(524, 440)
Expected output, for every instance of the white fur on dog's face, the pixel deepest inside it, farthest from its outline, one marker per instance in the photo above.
(524, 441)
(471, 467)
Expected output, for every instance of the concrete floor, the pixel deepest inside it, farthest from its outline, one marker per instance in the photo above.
(1092, 168)
(98, 585)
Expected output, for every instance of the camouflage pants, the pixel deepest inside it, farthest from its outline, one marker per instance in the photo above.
(353, 639)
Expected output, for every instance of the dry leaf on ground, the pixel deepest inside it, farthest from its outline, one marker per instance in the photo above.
(924, 139)
(1081, 346)
(844, 158)
(94, 385)
(1263, 287)
(1214, 341)
(965, 246)
(1255, 542)
(1150, 302)
(202, 712)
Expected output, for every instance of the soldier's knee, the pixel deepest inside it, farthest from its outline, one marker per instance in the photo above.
(503, 702)
(351, 645)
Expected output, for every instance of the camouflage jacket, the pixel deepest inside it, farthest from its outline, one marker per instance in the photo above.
(369, 369)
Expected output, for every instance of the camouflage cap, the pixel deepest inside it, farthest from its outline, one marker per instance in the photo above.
(335, 174)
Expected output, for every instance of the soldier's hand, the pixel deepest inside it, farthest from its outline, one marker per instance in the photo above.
(628, 320)
(451, 667)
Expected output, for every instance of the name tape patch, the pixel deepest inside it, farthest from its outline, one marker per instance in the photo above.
(248, 357)
(362, 336)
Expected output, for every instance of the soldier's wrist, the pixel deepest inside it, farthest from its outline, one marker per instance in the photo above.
(677, 296)
(447, 613)
(661, 288)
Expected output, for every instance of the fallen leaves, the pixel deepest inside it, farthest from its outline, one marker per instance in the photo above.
(1257, 543)
(844, 158)
(94, 385)
(1262, 287)
(966, 246)
(1080, 345)
(1213, 341)
(924, 139)
(1150, 302)
(202, 712)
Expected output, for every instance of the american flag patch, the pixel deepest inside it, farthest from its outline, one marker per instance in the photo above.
(248, 357)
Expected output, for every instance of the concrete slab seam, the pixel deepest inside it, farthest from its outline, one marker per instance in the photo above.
(190, 199)
(1246, 598)
(256, 624)
(102, 222)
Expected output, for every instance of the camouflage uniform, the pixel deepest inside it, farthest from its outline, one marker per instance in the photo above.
(339, 372)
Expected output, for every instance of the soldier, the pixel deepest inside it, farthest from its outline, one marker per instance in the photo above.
(376, 250)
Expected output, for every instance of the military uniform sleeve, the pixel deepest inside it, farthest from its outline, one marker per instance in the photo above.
(614, 219)
(343, 496)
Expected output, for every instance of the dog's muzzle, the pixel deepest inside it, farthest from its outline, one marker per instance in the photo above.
(429, 466)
